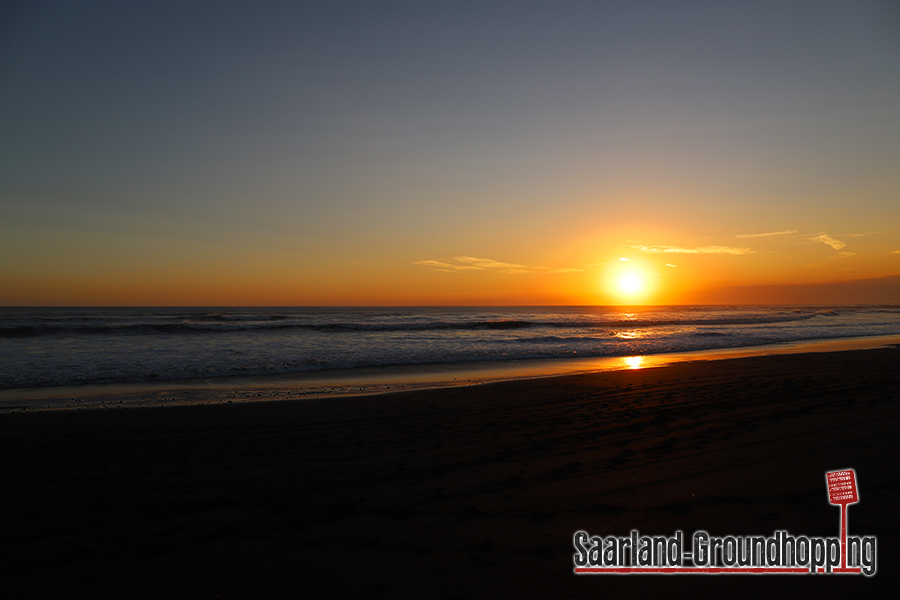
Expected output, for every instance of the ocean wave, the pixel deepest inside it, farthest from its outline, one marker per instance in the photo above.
(40, 347)
(555, 339)
(216, 323)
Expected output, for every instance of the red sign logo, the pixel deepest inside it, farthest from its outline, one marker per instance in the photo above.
(842, 491)
(842, 487)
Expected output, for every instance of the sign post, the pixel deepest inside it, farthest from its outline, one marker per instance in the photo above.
(842, 491)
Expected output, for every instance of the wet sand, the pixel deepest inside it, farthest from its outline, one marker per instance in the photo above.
(456, 492)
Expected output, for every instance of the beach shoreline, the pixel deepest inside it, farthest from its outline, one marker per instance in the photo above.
(365, 381)
(457, 492)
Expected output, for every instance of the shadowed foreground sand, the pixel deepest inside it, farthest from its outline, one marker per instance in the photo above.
(460, 492)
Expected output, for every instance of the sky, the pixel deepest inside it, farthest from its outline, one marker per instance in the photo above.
(444, 153)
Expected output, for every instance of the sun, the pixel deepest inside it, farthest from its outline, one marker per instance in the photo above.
(631, 284)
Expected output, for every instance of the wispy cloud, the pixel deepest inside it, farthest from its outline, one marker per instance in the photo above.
(625, 259)
(757, 235)
(444, 266)
(472, 263)
(827, 239)
(699, 250)
(896, 252)
(486, 263)
(673, 266)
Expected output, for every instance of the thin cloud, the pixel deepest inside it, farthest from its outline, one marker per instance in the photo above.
(896, 252)
(486, 263)
(757, 235)
(827, 239)
(472, 263)
(625, 259)
(700, 250)
(673, 266)
(443, 266)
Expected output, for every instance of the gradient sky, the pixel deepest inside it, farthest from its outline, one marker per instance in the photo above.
(315, 153)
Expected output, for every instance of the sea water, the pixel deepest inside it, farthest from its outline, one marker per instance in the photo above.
(42, 347)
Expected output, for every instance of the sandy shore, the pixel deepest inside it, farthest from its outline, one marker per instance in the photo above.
(457, 492)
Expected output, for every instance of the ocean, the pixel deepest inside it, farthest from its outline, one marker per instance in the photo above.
(43, 347)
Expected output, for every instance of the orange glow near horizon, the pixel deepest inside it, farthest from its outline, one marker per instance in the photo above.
(605, 268)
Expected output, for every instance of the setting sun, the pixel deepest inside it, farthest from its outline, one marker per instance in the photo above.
(631, 283)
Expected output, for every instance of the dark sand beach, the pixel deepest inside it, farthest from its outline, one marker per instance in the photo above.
(454, 493)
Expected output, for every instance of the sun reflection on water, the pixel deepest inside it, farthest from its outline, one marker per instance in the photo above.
(629, 335)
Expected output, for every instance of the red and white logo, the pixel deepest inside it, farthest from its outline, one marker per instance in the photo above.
(734, 554)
